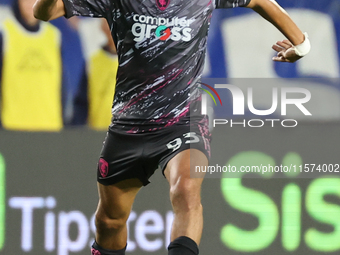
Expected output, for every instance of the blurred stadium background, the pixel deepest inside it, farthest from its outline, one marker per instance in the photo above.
(48, 192)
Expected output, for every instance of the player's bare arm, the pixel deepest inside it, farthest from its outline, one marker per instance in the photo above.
(275, 14)
(48, 9)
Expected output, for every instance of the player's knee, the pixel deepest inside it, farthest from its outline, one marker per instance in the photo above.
(106, 222)
(185, 195)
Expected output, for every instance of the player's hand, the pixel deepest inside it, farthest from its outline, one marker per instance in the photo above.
(285, 52)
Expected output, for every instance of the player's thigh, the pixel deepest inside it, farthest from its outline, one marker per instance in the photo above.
(115, 201)
(180, 170)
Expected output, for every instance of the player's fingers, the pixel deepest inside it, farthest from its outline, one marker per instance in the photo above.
(284, 45)
(279, 59)
(287, 42)
(277, 48)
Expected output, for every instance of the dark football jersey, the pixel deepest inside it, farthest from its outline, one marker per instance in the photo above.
(161, 46)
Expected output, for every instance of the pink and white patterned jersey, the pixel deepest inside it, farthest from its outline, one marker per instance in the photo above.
(161, 46)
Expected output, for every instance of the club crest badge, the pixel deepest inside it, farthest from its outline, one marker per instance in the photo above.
(103, 167)
(162, 4)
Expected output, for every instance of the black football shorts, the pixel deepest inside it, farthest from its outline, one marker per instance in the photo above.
(138, 155)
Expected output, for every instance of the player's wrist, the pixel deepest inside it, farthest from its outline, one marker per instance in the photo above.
(303, 48)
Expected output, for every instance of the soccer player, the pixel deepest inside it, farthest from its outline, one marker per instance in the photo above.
(156, 119)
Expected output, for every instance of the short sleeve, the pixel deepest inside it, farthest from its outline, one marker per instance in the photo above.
(88, 8)
(220, 4)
